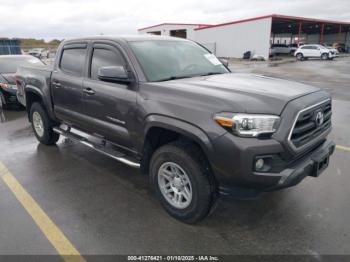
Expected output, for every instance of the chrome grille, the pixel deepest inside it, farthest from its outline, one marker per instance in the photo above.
(306, 126)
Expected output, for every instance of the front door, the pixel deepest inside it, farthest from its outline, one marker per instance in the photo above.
(109, 107)
(315, 51)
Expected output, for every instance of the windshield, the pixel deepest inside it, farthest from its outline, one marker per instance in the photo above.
(9, 64)
(166, 60)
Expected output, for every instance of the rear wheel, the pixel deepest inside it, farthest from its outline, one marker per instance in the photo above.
(324, 56)
(300, 56)
(42, 125)
(182, 181)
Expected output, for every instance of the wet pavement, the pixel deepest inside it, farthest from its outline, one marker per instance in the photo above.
(105, 207)
(331, 75)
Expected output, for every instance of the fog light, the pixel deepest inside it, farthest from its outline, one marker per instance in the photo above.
(259, 164)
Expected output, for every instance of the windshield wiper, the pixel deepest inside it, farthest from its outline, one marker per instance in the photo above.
(173, 78)
(189, 76)
(212, 73)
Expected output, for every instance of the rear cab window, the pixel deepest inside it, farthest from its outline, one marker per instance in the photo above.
(73, 59)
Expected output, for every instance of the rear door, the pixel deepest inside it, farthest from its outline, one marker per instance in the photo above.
(306, 51)
(277, 48)
(67, 83)
(109, 107)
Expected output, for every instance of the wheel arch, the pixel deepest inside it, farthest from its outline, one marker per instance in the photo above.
(35, 94)
(160, 130)
(32, 95)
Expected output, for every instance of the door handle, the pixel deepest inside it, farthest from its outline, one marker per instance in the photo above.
(89, 91)
(56, 84)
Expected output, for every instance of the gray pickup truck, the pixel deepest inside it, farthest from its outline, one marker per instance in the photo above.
(171, 108)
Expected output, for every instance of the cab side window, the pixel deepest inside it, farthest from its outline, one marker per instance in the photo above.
(104, 57)
(72, 61)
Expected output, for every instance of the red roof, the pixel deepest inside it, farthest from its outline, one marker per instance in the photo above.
(276, 16)
(309, 19)
(198, 25)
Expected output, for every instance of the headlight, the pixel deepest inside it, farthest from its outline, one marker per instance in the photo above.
(248, 125)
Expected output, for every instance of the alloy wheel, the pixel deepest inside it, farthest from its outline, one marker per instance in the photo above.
(175, 185)
(38, 124)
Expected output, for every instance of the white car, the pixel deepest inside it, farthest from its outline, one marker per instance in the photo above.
(314, 51)
(39, 52)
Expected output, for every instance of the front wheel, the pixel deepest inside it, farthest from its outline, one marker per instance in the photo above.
(324, 56)
(42, 125)
(182, 181)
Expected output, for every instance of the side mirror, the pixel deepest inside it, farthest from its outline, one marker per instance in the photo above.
(224, 61)
(113, 74)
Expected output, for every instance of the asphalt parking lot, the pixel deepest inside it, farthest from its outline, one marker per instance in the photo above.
(105, 207)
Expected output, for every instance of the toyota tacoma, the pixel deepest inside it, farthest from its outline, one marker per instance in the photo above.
(171, 108)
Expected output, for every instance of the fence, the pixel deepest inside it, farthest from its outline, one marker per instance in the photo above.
(10, 47)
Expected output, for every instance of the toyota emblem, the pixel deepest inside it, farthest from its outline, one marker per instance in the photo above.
(319, 118)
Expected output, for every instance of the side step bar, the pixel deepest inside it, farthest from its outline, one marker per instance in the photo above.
(102, 149)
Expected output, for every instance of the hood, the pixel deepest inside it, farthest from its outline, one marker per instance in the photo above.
(9, 77)
(244, 93)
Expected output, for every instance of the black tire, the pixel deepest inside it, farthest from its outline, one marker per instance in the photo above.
(3, 104)
(190, 158)
(324, 56)
(300, 56)
(48, 137)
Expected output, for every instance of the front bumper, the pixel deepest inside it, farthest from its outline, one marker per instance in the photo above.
(312, 165)
(251, 184)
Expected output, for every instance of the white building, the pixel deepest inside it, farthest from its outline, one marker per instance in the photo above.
(232, 39)
(173, 29)
(235, 38)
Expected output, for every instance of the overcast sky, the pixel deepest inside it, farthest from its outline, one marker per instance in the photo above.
(50, 19)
